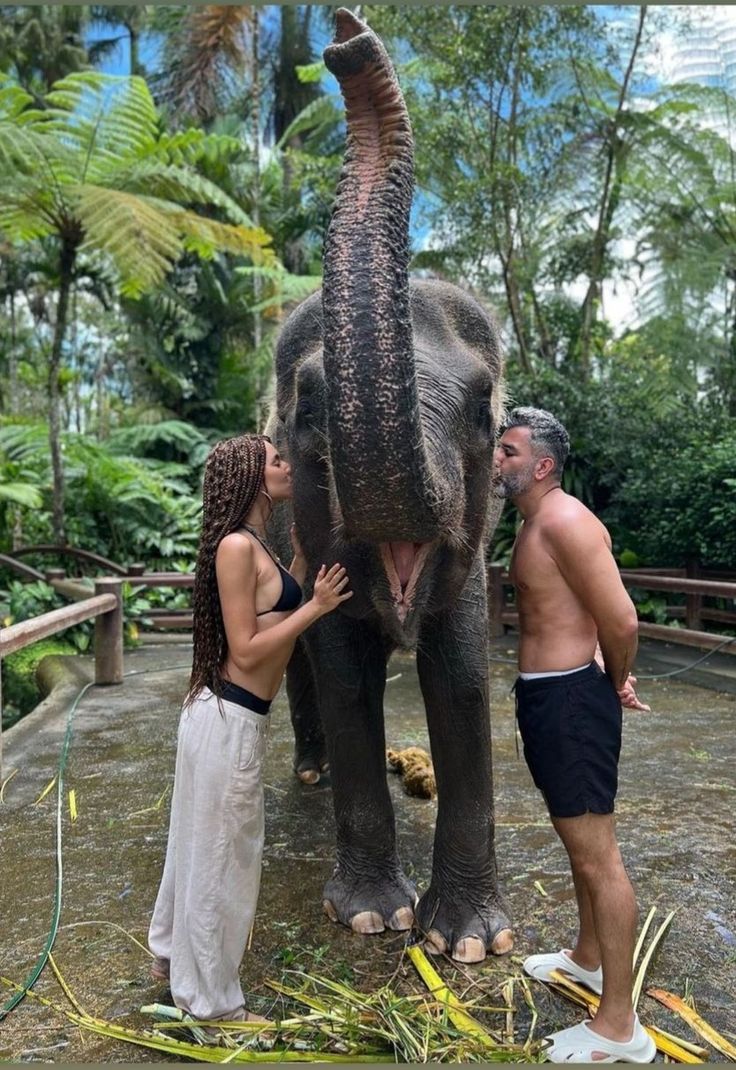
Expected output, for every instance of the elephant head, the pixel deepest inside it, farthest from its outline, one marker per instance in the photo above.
(389, 390)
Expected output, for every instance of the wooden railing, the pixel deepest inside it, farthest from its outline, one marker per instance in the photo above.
(694, 612)
(105, 607)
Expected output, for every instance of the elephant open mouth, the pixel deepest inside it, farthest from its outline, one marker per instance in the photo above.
(403, 562)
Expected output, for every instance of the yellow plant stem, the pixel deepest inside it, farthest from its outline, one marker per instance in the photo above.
(644, 964)
(459, 1018)
(5, 783)
(693, 1019)
(198, 1052)
(45, 791)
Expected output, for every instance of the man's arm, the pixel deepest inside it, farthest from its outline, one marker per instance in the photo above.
(627, 693)
(579, 547)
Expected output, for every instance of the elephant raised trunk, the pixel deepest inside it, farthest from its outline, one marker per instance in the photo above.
(377, 446)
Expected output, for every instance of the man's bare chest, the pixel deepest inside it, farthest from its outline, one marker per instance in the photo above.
(532, 567)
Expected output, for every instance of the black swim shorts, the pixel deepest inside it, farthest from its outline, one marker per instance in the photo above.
(571, 728)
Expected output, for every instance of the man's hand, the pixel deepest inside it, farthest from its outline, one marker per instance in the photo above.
(629, 697)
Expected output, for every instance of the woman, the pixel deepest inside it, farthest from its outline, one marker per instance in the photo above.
(246, 619)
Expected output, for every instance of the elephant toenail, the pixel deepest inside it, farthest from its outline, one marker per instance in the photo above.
(435, 943)
(308, 776)
(329, 910)
(367, 922)
(469, 949)
(324, 767)
(503, 942)
(401, 919)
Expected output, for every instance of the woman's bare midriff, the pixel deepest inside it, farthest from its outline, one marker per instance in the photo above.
(265, 682)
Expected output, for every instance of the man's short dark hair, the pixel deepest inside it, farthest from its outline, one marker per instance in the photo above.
(548, 436)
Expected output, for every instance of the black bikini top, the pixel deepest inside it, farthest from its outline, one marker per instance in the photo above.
(291, 592)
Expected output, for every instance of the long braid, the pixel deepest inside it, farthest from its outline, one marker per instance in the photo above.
(233, 477)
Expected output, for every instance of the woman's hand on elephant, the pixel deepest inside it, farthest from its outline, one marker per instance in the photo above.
(330, 588)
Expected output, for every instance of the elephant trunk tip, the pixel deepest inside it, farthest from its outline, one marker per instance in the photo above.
(347, 26)
(353, 48)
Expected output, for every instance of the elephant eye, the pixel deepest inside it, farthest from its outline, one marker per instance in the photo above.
(484, 420)
(308, 419)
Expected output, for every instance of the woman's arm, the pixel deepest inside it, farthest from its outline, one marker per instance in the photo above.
(237, 578)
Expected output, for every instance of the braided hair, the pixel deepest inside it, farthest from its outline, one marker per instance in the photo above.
(233, 477)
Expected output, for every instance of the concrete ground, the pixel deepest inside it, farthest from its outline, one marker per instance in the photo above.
(676, 828)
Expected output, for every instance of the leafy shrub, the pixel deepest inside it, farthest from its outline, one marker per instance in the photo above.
(20, 690)
(681, 505)
(653, 460)
(21, 601)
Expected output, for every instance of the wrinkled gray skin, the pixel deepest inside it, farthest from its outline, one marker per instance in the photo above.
(387, 395)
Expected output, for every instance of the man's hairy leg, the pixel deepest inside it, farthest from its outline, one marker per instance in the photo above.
(596, 861)
(586, 952)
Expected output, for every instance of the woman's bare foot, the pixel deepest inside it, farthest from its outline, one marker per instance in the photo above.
(251, 1017)
(160, 969)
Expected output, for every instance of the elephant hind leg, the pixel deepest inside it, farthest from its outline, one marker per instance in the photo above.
(310, 753)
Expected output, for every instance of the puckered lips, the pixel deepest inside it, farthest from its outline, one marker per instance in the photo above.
(403, 562)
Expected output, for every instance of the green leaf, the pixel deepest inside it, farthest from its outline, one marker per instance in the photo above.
(21, 494)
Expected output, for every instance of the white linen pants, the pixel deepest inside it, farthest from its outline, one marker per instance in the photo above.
(208, 894)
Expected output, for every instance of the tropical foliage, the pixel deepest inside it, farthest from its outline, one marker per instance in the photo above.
(156, 227)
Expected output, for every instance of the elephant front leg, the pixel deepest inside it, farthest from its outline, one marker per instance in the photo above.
(462, 911)
(367, 890)
(310, 754)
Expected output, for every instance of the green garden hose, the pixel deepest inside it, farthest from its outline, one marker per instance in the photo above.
(56, 913)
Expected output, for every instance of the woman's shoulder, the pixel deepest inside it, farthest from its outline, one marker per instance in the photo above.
(237, 546)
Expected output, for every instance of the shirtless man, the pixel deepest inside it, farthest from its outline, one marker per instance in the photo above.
(578, 637)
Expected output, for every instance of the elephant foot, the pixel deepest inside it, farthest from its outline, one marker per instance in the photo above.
(371, 904)
(309, 765)
(462, 928)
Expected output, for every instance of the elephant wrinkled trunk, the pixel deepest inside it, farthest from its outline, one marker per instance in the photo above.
(376, 438)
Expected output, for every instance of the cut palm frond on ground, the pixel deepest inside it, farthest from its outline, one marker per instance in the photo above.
(457, 1012)
(415, 1029)
(5, 783)
(199, 1052)
(694, 1020)
(644, 965)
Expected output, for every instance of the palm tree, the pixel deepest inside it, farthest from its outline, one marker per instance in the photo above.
(93, 175)
(41, 44)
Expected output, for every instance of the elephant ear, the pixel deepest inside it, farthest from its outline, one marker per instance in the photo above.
(300, 338)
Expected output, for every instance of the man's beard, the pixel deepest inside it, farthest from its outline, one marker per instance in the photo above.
(514, 485)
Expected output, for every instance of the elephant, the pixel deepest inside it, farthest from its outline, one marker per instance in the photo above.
(387, 397)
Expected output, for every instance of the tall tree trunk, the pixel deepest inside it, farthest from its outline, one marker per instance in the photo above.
(611, 187)
(256, 124)
(13, 360)
(133, 34)
(66, 270)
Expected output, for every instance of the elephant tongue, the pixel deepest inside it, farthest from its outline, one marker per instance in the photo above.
(404, 555)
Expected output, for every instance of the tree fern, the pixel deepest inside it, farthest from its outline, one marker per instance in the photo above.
(90, 169)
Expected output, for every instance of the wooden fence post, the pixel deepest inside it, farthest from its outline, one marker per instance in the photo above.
(109, 635)
(495, 600)
(693, 602)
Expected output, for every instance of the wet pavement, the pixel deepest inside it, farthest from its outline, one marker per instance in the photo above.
(676, 828)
